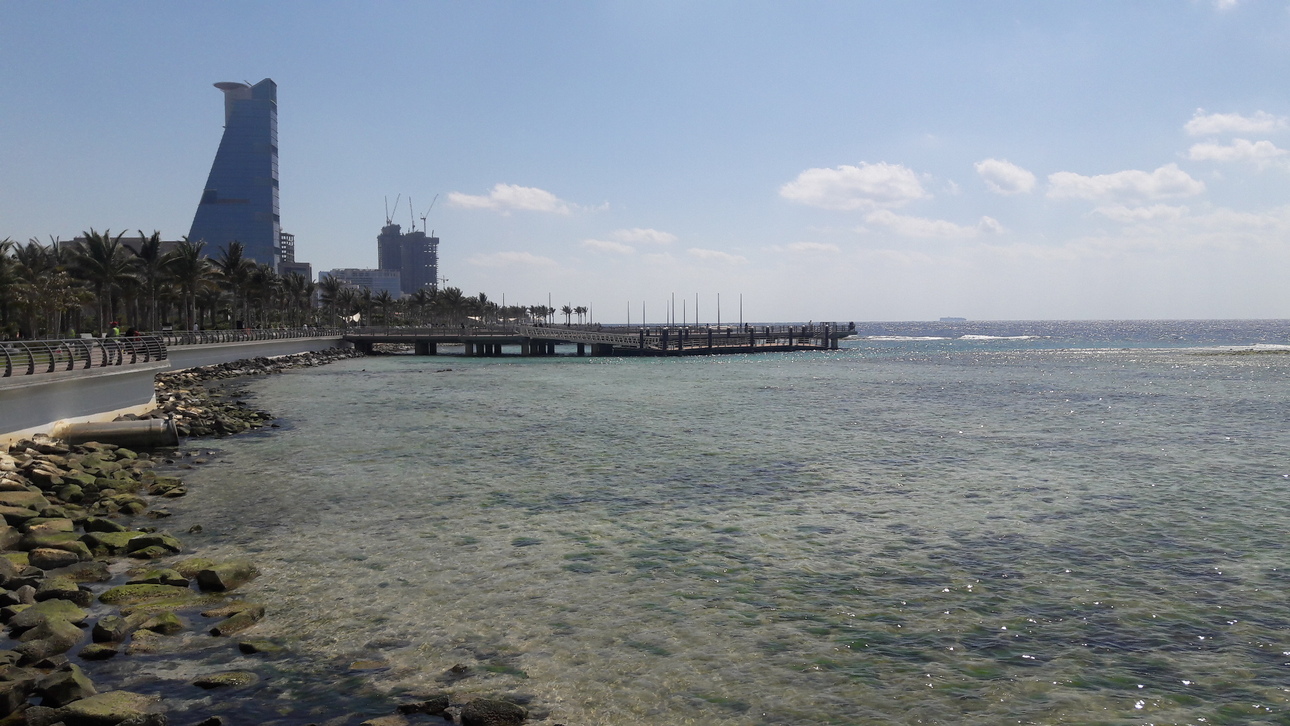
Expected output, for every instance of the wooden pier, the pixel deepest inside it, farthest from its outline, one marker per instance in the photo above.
(541, 340)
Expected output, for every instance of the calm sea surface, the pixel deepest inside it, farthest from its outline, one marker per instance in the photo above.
(939, 523)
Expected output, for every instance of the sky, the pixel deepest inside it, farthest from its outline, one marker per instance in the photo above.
(820, 160)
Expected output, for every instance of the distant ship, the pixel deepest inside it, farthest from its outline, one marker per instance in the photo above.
(953, 320)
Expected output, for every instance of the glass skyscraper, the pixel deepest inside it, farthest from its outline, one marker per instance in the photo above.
(240, 201)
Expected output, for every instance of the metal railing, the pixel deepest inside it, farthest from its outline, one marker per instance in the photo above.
(32, 357)
(199, 337)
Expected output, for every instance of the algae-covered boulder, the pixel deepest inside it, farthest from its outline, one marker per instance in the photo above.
(237, 617)
(159, 576)
(112, 708)
(50, 638)
(111, 629)
(227, 575)
(491, 712)
(193, 565)
(433, 705)
(109, 543)
(166, 623)
(56, 540)
(162, 540)
(265, 647)
(32, 615)
(228, 679)
(47, 558)
(98, 651)
(131, 594)
(63, 588)
(100, 524)
(27, 500)
(50, 524)
(92, 571)
(17, 515)
(65, 685)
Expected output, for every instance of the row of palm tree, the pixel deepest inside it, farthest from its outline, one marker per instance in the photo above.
(61, 288)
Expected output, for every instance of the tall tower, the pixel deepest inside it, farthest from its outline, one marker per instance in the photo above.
(240, 201)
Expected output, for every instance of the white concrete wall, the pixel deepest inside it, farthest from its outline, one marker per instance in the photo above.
(35, 404)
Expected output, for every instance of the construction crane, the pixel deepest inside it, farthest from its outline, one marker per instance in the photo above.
(427, 214)
(389, 220)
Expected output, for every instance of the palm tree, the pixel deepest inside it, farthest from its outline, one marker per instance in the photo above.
(150, 268)
(263, 286)
(581, 312)
(451, 303)
(235, 272)
(106, 265)
(329, 289)
(422, 300)
(192, 272)
(567, 311)
(8, 281)
(384, 301)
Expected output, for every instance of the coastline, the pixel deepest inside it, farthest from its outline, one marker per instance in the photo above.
(93, 582)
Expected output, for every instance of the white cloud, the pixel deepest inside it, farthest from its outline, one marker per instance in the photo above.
(649, 236)
(868, 186)
(1258, 152)
(812, 247)
(1155, 212)
(1214, 124)
(602, 245)
(1003, 177)
(1167, 181)
(507, 197)
(511, 259)
(907, 226)
(716, 256)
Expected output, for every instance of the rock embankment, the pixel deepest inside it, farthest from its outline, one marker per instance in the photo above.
(72, 515)
(202, 409)
(87, 574)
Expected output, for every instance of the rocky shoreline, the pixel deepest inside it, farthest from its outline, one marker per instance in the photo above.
(88, 575)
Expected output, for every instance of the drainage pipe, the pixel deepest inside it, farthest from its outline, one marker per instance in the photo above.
(143, 434)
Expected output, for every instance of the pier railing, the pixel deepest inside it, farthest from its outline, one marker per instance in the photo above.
(200, 337)
(32, 357)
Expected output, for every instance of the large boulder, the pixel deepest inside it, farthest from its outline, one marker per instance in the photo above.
(112, 708)
(65, 685)
(131, 594)
(48, 558)
(33, 615)
(491, 712)
(227, 575)
(109, 543)
(27, 500)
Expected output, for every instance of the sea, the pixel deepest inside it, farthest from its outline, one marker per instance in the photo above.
(937, 523)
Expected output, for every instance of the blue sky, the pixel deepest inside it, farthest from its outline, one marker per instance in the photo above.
(847, 161)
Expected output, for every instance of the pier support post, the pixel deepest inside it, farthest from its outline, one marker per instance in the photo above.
(424, 347)
(582, 349)
(550, 348)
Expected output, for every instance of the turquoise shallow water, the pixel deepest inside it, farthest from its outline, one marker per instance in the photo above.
(897, 532)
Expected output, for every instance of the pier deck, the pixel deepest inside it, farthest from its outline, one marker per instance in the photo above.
(539, 340)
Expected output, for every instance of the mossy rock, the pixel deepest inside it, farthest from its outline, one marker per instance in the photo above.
(193, 565)
(32, 615)
(109, 543)
(98, 651)
(159, 576)
(19, 559)
(112, 707)
(227, 575)
(56, 540)
(134, 594)
(229, 679)
(266, 647)
(166, 623)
